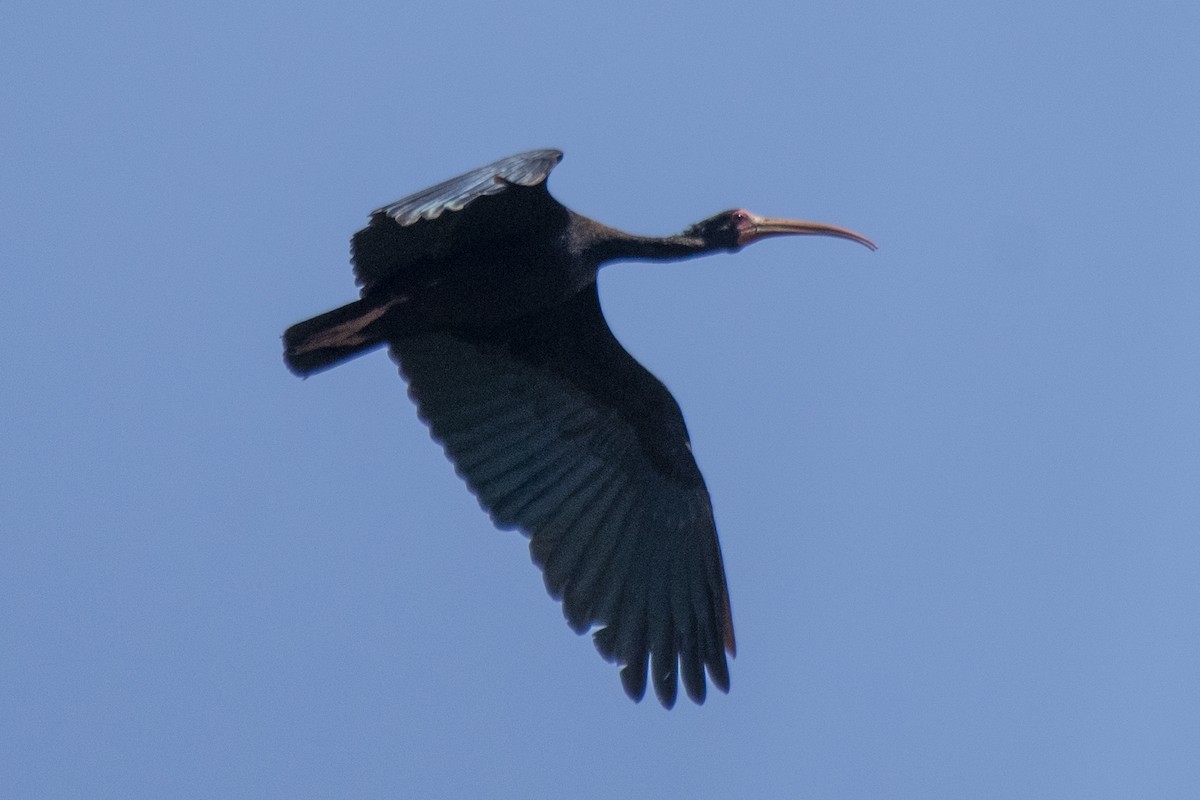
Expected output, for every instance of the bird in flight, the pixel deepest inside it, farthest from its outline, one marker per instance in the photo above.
(484, 290)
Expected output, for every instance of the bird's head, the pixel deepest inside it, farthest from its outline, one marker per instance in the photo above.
(734, 229)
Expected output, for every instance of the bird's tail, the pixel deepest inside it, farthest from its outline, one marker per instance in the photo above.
(336, 336)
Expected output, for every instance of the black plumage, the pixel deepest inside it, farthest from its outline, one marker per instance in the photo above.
(483, 287)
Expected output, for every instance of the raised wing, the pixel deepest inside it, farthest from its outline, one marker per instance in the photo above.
(523, 169)
(560, 433)
(418, 228)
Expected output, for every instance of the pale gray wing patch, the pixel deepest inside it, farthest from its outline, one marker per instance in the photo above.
(523, 169)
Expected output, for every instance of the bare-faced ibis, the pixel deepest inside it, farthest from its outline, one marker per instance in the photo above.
(484, 290)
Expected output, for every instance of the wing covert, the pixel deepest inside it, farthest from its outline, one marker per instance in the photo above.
(561, 434)
(522, 169)
(490, 202)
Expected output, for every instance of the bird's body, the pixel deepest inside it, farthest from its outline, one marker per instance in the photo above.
(484, 288)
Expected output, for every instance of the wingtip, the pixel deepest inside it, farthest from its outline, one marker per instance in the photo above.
(633, 681)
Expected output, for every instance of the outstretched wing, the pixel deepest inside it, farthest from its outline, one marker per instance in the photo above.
(494, 200)
(562, 434)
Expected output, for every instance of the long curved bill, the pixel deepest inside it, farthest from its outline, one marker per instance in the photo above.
(771, 226)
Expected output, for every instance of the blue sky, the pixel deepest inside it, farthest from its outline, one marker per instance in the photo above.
(955, 479)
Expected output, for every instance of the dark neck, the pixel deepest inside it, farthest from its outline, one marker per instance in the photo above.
(608, 244)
